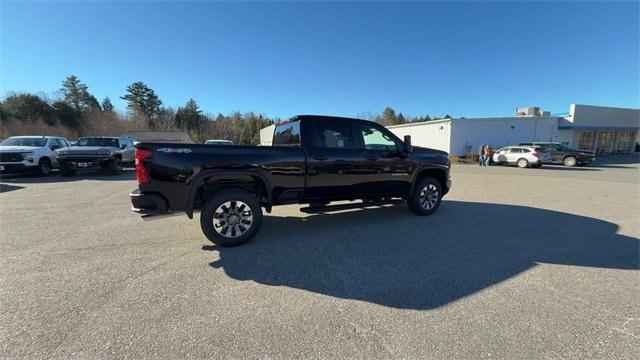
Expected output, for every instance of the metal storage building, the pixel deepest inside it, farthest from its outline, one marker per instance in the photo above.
(596, 128)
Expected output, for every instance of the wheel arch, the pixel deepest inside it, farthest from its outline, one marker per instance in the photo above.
(437, 173)
(205, 182)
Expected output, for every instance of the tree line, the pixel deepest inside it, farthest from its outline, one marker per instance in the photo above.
(75, 112)
(389, 117)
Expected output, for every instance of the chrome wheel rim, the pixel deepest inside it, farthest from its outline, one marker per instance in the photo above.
(522, 163)
(571, 161)
(232, 219)
(429, 197)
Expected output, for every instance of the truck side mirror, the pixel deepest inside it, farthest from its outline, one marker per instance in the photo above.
(407, 144)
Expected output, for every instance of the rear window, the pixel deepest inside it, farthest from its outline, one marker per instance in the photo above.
(287, 134)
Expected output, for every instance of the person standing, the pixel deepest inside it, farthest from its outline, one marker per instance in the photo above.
(481, 155)
(487, 154)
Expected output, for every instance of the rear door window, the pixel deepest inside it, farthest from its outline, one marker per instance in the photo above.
(333, 135)
(515, 150)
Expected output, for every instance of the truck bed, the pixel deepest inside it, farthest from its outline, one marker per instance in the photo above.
(173, 167)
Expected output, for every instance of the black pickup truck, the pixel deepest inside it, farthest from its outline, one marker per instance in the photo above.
(313, 160)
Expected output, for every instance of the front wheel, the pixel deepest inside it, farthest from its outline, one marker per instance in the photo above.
(570, 161)
(426, 197)
(65, 170)
(522, 163)
(114, 166)
(44, 166)
(231, 217)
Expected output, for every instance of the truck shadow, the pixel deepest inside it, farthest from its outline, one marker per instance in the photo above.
(7, 188)
(390, 257)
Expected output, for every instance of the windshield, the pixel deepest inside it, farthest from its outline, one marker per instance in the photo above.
(97, 142)
(30, 141)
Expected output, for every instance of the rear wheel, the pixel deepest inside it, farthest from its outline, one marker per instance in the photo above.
(231, 217)
(570, 161)
(522, 163)
(426, 197)
(44, 166)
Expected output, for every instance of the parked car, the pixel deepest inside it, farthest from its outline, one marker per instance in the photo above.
(105, 153)
(562, 154)
(219, 142)
(30, 153)
(313, 160)
(521, 156)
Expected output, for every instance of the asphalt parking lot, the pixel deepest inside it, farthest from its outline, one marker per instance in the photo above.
(517, 263)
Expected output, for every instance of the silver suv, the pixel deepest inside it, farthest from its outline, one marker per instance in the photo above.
(30, 153)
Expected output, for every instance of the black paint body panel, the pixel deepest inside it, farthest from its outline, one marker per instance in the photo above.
(298, 174)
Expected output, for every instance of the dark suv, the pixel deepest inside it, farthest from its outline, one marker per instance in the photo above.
(562, 154)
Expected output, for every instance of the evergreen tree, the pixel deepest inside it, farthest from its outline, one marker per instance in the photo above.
(76, 94)
(66, 115)
(107, 106)
(188, 117)
(400, 119)
(143, 102)
(388, 117)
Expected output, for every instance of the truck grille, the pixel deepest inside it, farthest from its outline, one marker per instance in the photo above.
(10, 157)
(85, 153)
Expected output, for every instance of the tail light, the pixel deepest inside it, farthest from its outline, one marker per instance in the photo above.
(536, 154)
(142, 173)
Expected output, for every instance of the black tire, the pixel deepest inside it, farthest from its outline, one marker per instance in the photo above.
(416, 201)
(44, 166)
(65, 170)
(522, 163)
(570, 161)
(114, 166)
(209, 214)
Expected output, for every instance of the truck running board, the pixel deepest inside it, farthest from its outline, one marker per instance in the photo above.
(356, 205)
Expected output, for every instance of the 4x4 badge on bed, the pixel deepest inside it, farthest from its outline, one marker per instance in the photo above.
(175, 150)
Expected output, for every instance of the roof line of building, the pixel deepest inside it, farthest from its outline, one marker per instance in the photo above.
(439, 121)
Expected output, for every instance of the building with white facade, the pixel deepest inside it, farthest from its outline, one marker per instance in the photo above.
(266, 135)
(597, 128)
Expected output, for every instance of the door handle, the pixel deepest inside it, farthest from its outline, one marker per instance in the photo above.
(320, 157)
